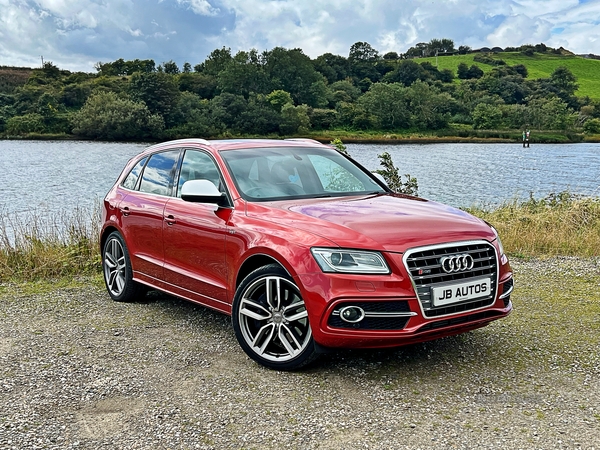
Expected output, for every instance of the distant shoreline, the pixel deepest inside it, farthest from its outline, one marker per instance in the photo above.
(394, 139)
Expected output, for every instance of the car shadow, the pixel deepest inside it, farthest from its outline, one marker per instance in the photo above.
(419, 360)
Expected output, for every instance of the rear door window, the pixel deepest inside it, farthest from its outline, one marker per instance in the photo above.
(159, 172)
(131, 181)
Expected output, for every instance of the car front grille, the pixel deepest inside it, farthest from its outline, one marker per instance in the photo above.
(425, 268)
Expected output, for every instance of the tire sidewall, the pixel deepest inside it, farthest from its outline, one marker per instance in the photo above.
(129, 291)
(305, 357)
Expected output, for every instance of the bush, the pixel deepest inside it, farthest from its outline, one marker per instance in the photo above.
(486, 117)
(322, 119)
(107, 116)
(592, 126)
(28, 123)
(392, 177)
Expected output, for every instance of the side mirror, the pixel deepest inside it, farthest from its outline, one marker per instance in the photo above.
(380, 178)
(201, 191)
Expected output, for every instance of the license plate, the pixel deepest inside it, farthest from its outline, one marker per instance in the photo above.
(460, 292)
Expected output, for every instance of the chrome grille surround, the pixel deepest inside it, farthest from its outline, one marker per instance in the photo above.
(425, 270)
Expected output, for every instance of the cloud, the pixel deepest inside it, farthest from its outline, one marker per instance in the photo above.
(76, 34)
(202, 7)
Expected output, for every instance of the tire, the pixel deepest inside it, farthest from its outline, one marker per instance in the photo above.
(270, 320)
(118, 275)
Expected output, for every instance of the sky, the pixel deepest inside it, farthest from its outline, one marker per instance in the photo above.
(76, 34)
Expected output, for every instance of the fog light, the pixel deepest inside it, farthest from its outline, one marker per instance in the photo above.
(352, 314)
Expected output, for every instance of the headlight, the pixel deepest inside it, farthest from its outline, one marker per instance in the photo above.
(500, 247)
(349, 261)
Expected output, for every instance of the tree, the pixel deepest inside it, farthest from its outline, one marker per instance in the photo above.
(215, 62)
(121, 67)
(388, 104)
(487, 117)
(463, 71)
(520, 69)
(293, 72)
(322, 119)
(500, 81)
(362, 51)
(440, 45)
(333, 67)
(391, 56)
(259, 118)
(551, 114)
(25, 124)
(429, 109)
(50, 70)
(278, 99)
(407, 72)
(343, 91)
(227, 108)
(294, 120)
(107, 116)
(419, 50)
(592, 126)
(170, 67)
(564, 80)
(194, 118)
(244, 74)
(159, 92)
(362, 62)
(198, 83)
(75, 95)
(446, 76)
(474, 72)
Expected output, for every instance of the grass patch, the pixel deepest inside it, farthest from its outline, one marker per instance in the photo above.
(560, 224)
(35, 247)
(42, 248)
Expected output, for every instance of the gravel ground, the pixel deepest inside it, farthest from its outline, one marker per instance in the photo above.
(80, 371)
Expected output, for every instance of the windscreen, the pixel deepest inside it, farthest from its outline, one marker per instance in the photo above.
(263, 174)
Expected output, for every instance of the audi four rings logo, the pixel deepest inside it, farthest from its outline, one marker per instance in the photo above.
(457, 263)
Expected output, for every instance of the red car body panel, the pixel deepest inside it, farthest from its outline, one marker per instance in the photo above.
(198, 251)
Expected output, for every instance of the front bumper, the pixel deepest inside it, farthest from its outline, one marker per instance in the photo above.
(393, 314)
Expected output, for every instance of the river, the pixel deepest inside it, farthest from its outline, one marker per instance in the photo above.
(58, 176)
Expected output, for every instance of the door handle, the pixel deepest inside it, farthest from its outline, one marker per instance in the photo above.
(170, 219)
(125, 210)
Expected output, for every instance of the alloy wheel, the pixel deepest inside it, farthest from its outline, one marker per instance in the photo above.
(273, 319)
(115, 265)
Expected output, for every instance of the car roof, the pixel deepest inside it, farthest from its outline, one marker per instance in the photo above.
(232, 144)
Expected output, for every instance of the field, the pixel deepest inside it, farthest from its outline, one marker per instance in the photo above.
(586, 70)
(13, 77)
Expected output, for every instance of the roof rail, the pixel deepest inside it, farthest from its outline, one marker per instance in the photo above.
(190, 140)
(313, 141)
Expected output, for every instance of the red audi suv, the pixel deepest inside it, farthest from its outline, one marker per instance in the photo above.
(303, 247)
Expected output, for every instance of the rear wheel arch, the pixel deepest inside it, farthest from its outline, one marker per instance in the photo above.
(105, 233)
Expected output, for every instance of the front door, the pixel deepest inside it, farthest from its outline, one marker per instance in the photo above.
(194, 236)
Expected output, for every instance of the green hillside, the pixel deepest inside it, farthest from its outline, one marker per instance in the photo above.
(539, 65)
